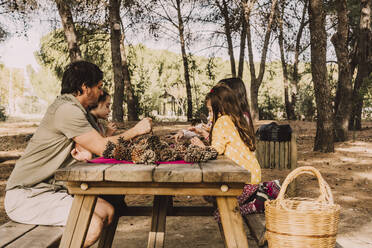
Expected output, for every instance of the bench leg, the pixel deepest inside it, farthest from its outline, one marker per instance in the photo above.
(159, 214)
(232, 222)
(108, 234)
(78, 221)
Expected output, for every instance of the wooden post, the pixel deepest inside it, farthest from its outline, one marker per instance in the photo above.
(267, 154)
(277, 155)
(260, 152)
(232, 222)
(78, 222)
(286, 155)
(291, 191)
(272, 154)
(159, 214)
(282, 149)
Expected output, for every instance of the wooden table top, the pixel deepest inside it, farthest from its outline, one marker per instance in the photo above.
(214, 171)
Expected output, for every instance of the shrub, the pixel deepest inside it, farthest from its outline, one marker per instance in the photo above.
(2, 114)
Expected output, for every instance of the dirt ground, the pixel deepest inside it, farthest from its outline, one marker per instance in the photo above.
(348, 171)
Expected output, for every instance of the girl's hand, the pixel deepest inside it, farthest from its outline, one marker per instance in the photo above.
(199, 131)
(111, 129)
(81, 154)
(179, 135)
(197, 142)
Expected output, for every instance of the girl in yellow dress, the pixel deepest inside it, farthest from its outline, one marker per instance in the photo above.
(231, 134)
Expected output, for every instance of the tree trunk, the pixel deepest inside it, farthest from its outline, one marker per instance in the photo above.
(131, 100)
(364, 55)
(114, 17)
(295, 77)
(318, 39)
(343, 103)
(256, 82)
(230, 47)
(69, 30)
(243, 35)
(289, 108)
(185, 62)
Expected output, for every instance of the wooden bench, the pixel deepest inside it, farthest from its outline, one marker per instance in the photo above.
(16, 235)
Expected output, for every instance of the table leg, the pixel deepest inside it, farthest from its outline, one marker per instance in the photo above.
(232, 222)
(159, 214)
(78, 221)
(108, 233)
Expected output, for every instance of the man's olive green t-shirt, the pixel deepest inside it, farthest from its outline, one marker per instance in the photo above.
(51, 144)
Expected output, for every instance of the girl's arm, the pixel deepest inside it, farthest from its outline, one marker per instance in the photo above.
(219, 139)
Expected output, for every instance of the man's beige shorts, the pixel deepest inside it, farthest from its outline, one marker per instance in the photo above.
(39, 206)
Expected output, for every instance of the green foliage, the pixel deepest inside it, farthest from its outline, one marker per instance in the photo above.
(94, 46)
(367, 102)
(270, 106)
(306, 102)
(45, 84)
(157, 76)
(152, 72)
(2, 113)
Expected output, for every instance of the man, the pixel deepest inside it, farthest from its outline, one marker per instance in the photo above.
(32, 195)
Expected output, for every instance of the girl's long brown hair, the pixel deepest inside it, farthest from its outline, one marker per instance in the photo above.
(224, 102)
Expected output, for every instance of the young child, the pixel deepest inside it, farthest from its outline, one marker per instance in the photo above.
(100, 111)
(202, 130)
(238, 86)
(231, 134)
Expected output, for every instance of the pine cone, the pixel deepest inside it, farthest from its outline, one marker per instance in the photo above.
(123, 142)
(153, 142)
(123, 153)
(148, 157)
(136, 154)
(167, 154)
(200, 154)
(180, 151)
(210, 153)
(109, 150)
(193, 154)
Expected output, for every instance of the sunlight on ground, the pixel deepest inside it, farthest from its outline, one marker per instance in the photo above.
(364, 175)
(347, 198)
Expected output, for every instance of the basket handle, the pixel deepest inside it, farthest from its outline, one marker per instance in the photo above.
(324, 189)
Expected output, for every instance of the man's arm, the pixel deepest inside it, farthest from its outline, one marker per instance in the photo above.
(95, 143)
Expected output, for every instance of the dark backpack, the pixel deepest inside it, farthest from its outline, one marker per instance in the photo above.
(274, 132)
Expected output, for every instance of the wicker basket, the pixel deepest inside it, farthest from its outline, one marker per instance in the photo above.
(302, 222)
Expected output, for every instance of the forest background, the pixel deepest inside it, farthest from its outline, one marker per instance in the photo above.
(309, 60)
(300, 60)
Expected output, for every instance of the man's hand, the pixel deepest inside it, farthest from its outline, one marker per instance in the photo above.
(197, 142)
(111, 129)
(143, 127)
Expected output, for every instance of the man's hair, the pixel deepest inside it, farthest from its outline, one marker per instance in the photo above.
(79, 73)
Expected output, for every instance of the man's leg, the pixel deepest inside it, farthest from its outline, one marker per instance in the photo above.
(33, 206)
(102, 217)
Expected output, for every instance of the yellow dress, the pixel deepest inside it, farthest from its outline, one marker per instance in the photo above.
(226, 140)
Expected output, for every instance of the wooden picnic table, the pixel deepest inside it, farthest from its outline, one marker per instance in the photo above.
(221, 178)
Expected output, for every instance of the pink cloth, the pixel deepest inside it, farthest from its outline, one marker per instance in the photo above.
(102, 160)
